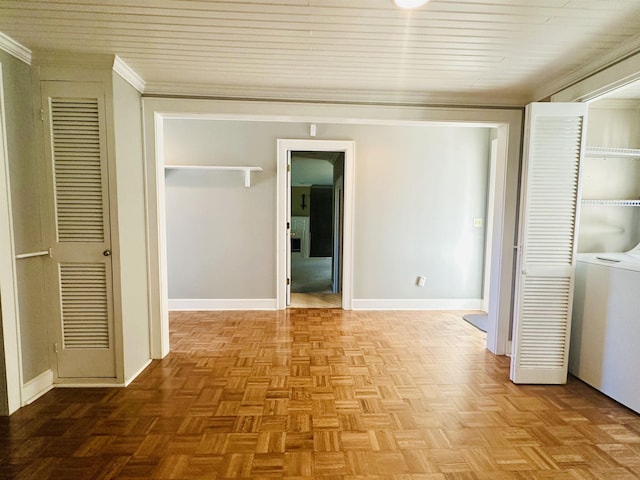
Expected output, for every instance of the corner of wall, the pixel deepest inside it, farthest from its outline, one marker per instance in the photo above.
(132, 221)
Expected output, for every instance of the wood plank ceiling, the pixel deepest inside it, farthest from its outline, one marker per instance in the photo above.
(498, 52)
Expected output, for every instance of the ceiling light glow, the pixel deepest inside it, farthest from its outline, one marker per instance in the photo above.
(408, 4)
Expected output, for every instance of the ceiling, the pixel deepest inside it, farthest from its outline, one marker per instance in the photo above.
(471, 52)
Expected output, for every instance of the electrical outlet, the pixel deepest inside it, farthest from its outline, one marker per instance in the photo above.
(477, 222)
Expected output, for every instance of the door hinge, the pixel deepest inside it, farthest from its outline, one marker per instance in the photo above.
(288, 225)
(55, 347)
(288, 281)
(288, 167)
(41, 115)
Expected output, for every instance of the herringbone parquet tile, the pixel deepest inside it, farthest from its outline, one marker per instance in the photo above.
(323, 394)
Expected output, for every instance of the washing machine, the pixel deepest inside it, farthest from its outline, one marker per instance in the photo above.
(605, 331)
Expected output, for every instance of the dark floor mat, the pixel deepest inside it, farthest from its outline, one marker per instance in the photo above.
(478, 320)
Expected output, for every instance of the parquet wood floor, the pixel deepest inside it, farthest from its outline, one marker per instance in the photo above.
(323, 394)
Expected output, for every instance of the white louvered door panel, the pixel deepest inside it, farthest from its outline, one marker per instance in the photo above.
(75, 133)
(554, 138)
(84, 298)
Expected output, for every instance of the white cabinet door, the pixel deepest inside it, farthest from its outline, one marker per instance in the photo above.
(75, 139)
(553, 143)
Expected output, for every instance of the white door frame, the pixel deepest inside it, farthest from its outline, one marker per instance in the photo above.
(287, 300)
(8, 280)
(338, 217)
(282, 242)
(489, 216)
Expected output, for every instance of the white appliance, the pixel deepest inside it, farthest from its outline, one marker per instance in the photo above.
(605, 332)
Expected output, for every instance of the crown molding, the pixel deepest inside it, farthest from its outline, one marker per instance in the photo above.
(368, 97)
(616, 103)
(127, 73)
(627, 49)
(15, 49)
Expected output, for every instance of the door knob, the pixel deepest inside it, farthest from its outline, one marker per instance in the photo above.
(107, 252)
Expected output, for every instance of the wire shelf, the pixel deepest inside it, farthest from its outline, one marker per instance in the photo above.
(611, 203)
(612, 152)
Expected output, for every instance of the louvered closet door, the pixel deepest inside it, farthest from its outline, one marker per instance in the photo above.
(74, 118)
(554, 138)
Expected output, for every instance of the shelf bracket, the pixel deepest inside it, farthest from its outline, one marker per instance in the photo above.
(247, 177)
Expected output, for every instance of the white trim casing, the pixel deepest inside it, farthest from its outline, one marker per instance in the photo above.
(8, 279)
(15, 49)
(34, 389)
(162, 349)
(416, 304)
(505, 181)
(509, 125)
(215, 304)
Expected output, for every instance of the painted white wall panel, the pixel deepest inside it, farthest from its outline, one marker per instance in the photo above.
(131, 226)
(25, 197)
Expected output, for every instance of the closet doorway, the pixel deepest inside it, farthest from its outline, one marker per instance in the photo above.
(315, 199)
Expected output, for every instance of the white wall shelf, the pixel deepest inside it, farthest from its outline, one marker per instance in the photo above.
(247, 170)
(611, 203)
(612, 152)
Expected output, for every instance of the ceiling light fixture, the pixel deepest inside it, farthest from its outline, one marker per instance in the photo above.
(409, 4)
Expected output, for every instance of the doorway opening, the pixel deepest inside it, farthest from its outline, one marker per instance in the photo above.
(316, 210)
(314, 255)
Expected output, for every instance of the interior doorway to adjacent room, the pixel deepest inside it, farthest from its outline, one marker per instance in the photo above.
(316, 209)
(315, 243)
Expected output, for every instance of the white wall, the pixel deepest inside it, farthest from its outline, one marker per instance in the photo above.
(131, 239)
(27, 226)
(221, 235)
(417, 191)
(612, 123)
